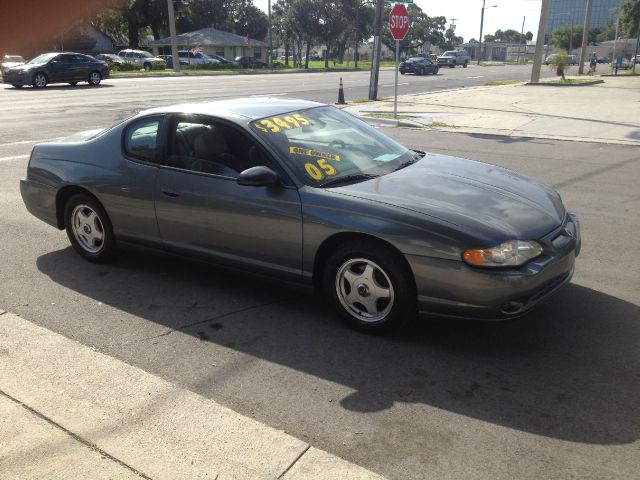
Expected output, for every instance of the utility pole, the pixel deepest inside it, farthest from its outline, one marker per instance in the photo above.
(537, 59)
(174, 43)
(615, 40)
(585, 36)
(355, 56)
(270, 38)
(635, 55)
(522, 39)
(377, 49)
(480, 39)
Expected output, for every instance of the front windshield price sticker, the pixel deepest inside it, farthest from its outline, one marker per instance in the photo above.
(307, 152)
(278, 124)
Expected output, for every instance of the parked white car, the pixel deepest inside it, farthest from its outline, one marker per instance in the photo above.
(142, 58)
(188, 57)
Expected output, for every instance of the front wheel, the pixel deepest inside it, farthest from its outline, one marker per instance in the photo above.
(435, 71)
(147, 66)
(94, 79)
(371, 286)
(40, 80)
(452, 65)
(89, 228)
(465, 65)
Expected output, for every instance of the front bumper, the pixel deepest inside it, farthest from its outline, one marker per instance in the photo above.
(15, 78)
(453, 288)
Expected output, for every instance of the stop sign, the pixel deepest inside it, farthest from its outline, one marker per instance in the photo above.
(399, 21)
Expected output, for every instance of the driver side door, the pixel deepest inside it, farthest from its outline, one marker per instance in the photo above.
(202, 210)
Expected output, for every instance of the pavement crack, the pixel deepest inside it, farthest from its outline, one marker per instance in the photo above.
(75, 436)
(213, 319)
(294, 461)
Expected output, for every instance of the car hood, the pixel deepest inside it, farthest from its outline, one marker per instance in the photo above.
(12, 64)
(481, 199)
(442, 57)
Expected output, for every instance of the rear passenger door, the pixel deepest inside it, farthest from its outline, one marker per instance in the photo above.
(201, 209)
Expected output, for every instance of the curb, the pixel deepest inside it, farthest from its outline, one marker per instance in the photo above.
(548, 84)
(134, 420)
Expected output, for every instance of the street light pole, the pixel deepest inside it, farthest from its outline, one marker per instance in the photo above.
(481, 25)
(480, 39)
(585, 36)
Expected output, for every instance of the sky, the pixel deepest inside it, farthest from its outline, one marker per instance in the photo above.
(508, 14)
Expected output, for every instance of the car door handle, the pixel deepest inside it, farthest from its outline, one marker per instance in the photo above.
(170, 194)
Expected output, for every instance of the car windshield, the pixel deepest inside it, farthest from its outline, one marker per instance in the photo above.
(146, 54)
(327, 147)
(449, 53)
(415, 59)
(42, 59)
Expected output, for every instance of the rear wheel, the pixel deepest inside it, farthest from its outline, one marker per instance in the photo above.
(94, 79)
(89, 228)
(40, 80)
(370, 286)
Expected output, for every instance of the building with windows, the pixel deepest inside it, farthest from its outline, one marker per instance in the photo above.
(572, 12)
(212, 41)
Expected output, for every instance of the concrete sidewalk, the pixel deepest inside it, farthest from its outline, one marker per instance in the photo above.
(605, 113)
(67, 411)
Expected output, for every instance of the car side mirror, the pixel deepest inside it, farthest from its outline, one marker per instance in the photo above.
(258, 177)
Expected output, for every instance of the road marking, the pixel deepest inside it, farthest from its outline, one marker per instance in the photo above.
(479, 76)
(15, 157)
(393, 84)
(269, 95)
(22, 142)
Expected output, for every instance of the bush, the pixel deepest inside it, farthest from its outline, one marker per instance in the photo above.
(561, 63)
(127, 67)
(211, 66)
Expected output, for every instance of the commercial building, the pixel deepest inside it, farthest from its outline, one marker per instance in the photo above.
(568, 12)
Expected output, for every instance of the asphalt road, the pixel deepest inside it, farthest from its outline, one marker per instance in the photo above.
(553, 395)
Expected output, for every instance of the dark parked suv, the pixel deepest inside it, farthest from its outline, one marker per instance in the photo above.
(57, 67)
(250, 62)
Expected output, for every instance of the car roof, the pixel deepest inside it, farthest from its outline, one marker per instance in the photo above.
(249, 108)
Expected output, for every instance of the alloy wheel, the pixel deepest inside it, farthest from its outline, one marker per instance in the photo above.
(87, 228)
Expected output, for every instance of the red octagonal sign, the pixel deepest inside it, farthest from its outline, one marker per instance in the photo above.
(399, 21)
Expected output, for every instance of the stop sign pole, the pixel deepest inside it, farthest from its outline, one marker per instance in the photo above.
(399, 26)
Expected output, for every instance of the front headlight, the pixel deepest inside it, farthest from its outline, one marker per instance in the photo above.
(509, 254)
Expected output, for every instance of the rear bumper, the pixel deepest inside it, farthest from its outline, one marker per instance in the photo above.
(40, 201)
(453, 288)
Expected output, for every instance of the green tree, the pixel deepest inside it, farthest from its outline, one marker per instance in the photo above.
(528, 36)
(629, 18)
(563, 37)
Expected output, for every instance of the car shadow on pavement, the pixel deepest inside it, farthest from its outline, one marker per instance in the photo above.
(570, 370)
(56, 86)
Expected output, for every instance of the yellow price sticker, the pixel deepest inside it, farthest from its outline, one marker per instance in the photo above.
(278, 124)
(319, 173)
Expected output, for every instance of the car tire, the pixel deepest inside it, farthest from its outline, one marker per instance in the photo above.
(147, 66)
(15, 85)
(94, 79)
(451, 65)
(89, 228)
(358, 268)
(465, 64)
(435, 71)
(73, 84)
(422, 71)
(39, 80)
(401, 72)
